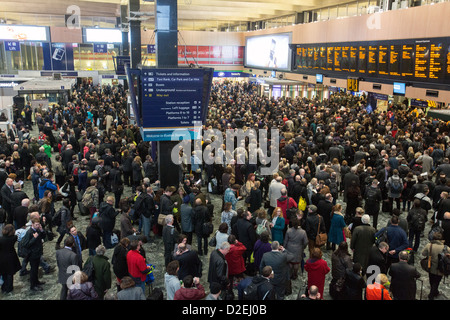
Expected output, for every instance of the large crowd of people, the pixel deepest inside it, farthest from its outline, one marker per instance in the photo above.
(86, 160)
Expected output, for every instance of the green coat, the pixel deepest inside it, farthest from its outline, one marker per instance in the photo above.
(102, 274)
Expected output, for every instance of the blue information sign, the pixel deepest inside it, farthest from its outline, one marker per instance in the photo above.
(100, 48)
(12, 46)
(173, 99)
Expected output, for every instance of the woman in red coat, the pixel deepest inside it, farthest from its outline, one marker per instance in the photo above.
(235, 261)
(317, 269)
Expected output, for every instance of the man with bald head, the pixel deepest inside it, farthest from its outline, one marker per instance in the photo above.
(20, 214)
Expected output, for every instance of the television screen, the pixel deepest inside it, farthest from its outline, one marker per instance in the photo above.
(269, 52)
(102, 35)
(399, 88)
(319, 78)
(274, 74)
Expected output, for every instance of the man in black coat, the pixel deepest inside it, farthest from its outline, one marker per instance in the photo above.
(6, 191)
(312, 226)
(32, 242)
(20, 214)
(373, 199)
(378, 257)
(200, 215)
(348, 180)
(108, 215)
(16, 197)
(190, 263)
(325, 208)
(218, 266)
(66, 258)
(403, 278)
(67, 156)
(245, 233)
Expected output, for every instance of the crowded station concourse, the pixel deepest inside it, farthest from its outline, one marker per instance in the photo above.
(315, 191)
(92, 194)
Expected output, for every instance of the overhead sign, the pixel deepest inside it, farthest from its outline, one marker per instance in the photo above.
(173, 99)
(12, 46)
(100, 48)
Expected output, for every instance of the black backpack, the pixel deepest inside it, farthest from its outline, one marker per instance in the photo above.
(251, 291)
(371, 194)
(89, 269)
(418, 221)
(383, 237)
(57, 217)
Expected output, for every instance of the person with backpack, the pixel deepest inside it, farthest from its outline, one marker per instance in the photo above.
(261, 287)
(417, 217)
(434, 249)
(61, 220)
(90, 199)
(372, 201)
(394, 186)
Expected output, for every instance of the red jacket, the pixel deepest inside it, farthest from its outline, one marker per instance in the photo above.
(317, 269)
(236, 264)
(183, 293)
(283, 205)
(136, 264)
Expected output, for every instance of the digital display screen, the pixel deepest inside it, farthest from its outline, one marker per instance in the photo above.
(319, 78)
(24, 33)
(269, 52)
(102, 35)
(399, 88)
(421, 60)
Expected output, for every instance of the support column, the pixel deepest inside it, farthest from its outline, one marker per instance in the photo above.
(124, 20)
(135, 35)
(166, 43)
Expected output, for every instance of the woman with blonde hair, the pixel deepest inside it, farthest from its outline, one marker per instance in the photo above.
(277, 225)
(336, 235)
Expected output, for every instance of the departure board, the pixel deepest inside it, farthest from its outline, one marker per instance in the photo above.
(353, 59)
(298, 58)
(407, 61)
(447, 65)
(437, 61)
(383, 62)
(316, 58)
(420, 60)
(323, 58)
(344, 58)
(372, 59)
(362, 60)
(337, 59)
(330, 58)
(394, 60)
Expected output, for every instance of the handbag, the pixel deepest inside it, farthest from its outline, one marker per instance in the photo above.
(291, 212)
(213, 241)
(321, 238)
(162, 219)
(425, 263)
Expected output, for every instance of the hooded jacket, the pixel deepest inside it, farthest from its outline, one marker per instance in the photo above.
(194, 293)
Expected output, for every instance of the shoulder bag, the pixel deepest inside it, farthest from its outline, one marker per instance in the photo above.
(321, 238)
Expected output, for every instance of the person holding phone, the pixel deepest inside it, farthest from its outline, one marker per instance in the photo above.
(33, 243)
